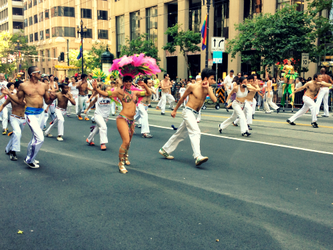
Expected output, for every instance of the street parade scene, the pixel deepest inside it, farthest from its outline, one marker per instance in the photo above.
(166, 124)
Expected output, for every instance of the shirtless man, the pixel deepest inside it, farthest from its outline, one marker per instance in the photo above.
(63, 97)
(166, 94)
(33, 91)
(17, 120)
(142, 112)
(323, 94)
(3, 84)
(248, 107)
(50, 109)
(197, 93)
(312, 89)
(269, 97)
(83, 96)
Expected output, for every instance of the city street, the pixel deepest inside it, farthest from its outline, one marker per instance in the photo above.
(272, 190)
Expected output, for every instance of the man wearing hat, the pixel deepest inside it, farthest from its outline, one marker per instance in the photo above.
(228, 83)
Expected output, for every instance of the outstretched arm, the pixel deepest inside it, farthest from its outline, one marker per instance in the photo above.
(300, 89)
(146, 92)
(104, 93)
(4, 104)
(91, 104)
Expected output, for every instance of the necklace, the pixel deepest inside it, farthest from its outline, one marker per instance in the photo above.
(128, 91)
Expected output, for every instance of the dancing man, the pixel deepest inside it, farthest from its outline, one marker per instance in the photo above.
(33, 91)
(323, 94)
(63, 97)
(312, 89)
(197, 95)
(166, 96)
(269, 97)
(83, 97)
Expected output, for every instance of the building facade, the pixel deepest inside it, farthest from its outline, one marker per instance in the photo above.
(112, 22)
(11, 15)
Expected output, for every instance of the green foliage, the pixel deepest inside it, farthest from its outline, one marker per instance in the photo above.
(186, 41)
(140, 45)
(287, 33)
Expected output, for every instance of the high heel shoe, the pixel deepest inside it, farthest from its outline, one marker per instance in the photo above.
(121, 166)
(127, 162)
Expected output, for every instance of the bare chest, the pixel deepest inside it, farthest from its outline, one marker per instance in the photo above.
(34, 90)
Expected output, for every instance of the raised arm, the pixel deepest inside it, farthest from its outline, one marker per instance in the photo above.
(91, 104)
(105, 93)
(301, 88)
(181, 100)
(49, 97)
(15, 98)
(146, 92)
(325, 84)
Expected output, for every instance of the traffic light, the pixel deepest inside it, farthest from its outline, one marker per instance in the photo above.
(62, 57)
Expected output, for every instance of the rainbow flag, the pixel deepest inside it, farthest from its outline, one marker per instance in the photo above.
(81, 51)
(204, 34)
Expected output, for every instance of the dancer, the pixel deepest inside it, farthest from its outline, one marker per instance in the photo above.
(83, 97)
(312, 89)
(228, 82)
(34, 91)
(269, 97)
(101, 116)
(142, 112)
(166, 95)
(17, 121)
(241, 89)
(63, 97)
(197, 93)
(3, 84)
(250, 102)
(7, 110)
(288, 76)
(75, 93)
(323, 94)
(125, 120)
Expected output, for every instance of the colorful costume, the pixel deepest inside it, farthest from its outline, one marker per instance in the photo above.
(288, 87)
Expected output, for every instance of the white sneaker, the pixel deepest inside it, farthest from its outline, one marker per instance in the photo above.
(200, 159)
(165, 154)
(31, 165)
(59, 138)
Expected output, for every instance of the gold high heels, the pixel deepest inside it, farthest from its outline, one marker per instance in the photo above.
(121, 166)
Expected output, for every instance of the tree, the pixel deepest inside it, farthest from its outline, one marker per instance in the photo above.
(287, 33)
(88, 60)
(97, 50)
(186, 41)
(140, 45)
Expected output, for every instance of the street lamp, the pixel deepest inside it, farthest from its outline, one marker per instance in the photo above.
(18, 55)
(106, 60)
(82, 32)
(207, 40)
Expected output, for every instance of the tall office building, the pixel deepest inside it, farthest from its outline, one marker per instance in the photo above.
(11, 15)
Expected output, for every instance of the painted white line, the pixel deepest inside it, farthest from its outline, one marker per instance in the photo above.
(257, 142)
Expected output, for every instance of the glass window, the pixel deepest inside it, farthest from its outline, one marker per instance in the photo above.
(47, 33)
(47, 14)
(195, 15)
(251, 7)
(35, 19)
(42, 55)
(40, 1)
(48, 55)
(26, 22)
(41, 35)
(17, 11)
(120, 33)
(281, 3)
(135, 24)
(221, 19)
(35, 2)
(25, 5)
(103, 34)
(18, 25)
(30, 4)
(31, 38)
(88, 34)
(36, 36)
(30, 20)
(41, 15)
(54, 11)
(151, 24)
(69, 31)
(102, 15)
(54, 53)
(63, 32)
(69, 11)
(86, 13)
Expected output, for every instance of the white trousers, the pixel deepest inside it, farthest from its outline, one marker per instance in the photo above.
(52, 110)
(269, 102)
(308, 104)
(101, 128)
(60, 119)
(323, 96)
(228, 92)
(248, 111)
(18, 124)
(1, 102)
(166, 97)
(34, 122)
(70, 105)
(190, 123)
(81, 104)
(237, 112)
(6, 112)
(142, 117)
(113, 108)
(254, 104)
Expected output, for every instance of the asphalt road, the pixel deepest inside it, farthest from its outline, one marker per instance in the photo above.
(272, 190)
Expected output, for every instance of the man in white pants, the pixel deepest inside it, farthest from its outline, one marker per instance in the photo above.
(166, 94)
(228, 83)
(3, 84)
(33, 91)
(323, 95)
(312, 89)
(197, 93)
(269, 97)
(63, 97)
(7, 110)
(17, 120)
(83, 97)
(141, 115)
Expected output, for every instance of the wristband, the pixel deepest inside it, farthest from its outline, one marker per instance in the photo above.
(142, 93)
(109, 93)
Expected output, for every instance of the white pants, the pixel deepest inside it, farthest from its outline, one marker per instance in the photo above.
(142, 117)
(113, 108)
(228, 92)
(166, 97)
(308, 104)
(269, 101)
(18, 124)
(190, 123)
(254, 104)
(70, 105)
(52, 110)
(323, 96)
(60, 119)
(34, 122)
(155, 96)
(248, 109)
(101, 128)
(1, 102)
(81, 104)
(6, 112)
(237, 112)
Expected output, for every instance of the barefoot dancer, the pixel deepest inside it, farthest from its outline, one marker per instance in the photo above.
(125, 120)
